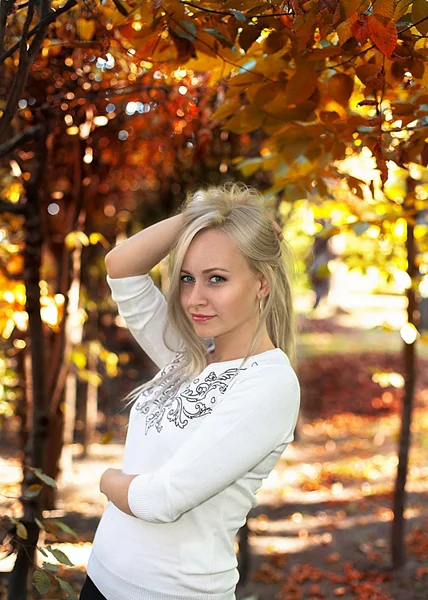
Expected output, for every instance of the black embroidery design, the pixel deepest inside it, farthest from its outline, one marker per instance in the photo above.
(189, 403)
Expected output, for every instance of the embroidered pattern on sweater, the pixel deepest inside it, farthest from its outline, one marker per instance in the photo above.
(187, 404)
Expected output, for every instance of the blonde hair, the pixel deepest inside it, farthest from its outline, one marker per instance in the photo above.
(240, 212)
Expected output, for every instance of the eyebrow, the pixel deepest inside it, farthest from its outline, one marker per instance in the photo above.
(208, 270)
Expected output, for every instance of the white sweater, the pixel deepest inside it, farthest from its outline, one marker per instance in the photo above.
(200, 462)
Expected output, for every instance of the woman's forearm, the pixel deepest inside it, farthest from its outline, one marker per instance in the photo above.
(141, 252)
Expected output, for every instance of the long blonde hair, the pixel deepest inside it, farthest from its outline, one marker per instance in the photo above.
(240, 212)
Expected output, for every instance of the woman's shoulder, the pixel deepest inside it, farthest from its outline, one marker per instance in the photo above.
(269, 370)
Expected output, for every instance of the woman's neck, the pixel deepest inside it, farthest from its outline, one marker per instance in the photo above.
(212, 357)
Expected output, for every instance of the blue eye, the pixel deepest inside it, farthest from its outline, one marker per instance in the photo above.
(182, 278)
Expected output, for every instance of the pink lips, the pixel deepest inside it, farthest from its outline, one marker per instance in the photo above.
(201, 318)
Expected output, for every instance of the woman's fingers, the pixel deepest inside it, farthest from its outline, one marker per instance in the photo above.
(278, 229)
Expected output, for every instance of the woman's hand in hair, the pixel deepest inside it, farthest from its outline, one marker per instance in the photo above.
(278, 230)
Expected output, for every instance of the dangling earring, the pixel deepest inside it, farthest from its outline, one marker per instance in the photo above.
(260, 305)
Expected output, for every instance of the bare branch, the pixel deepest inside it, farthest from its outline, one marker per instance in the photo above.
(19, 139)
(123, 11)
(40, 25)
(5, 8)
(9, 207)
(25, 29)
(231, 14)
(26, 58)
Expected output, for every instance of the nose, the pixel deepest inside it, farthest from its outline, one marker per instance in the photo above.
(197, 296)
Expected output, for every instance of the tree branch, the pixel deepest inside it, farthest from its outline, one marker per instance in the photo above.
(26, 59)
(10, 207)
(231, 14)
(5, 8)
(40, 26)
(19, 139)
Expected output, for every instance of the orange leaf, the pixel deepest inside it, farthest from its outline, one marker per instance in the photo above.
(350, 6)
(380, 162)
(340, 88)
(385, 8)
(85, 29)
(301, 86)
(360, 30)
(383, 33)
(332, 558)
(420, 13)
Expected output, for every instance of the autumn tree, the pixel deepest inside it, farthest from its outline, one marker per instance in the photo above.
(314, 82)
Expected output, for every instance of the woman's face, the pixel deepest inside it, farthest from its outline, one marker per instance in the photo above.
(229, 292)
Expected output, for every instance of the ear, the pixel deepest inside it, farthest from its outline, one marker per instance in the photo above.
(264, 285)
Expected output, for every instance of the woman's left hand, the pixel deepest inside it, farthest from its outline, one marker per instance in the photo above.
(106, 480)
(114, 484)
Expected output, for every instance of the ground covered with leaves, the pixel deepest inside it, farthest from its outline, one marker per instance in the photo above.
(322, 527)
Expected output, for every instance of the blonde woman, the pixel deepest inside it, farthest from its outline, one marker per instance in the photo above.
(206, 431)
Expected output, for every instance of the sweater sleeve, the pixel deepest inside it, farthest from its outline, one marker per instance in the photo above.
(144, 309)
(258, 414)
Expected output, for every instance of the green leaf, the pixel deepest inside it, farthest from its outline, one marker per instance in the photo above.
(219, 36)
(419, 12)
(67, 588)
(238, 15)
(60, 556)
(360, 228)
(41, 582)
(21, 530)
(187, 30)
(32, 491)
(66, 528)
(50, 566)
(42, 551)
(227, 110)
(45, 478)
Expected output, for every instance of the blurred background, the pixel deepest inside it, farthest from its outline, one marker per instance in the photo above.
(111, 112)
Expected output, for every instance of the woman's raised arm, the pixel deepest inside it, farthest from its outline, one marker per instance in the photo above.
(140, 253)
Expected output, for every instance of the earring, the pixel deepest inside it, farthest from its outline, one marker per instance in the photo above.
(260, 305)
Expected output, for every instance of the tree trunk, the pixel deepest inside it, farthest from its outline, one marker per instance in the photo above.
(35, 448)
(91, 408)
(61, 345)
(397, 533)
(74, 331)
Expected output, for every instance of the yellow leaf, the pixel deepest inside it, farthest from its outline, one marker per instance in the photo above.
(248, 119)
(21, 530)
(420, 12)
(94, 238)
(250, 166)
(226, 110)
(301, 86)
(85, 29)
(79, 359)
(74, 238)
(340, 87)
